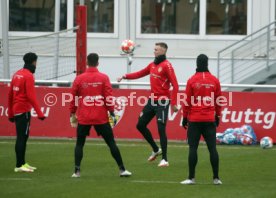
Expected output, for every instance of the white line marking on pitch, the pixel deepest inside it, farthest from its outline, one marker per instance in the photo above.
(166, 182)
(157, 182)
(230, 147)
(15, 179)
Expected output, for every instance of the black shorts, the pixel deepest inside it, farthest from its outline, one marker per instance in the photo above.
(84, 130)
(159, 108)
(206, 129)
(22, 123)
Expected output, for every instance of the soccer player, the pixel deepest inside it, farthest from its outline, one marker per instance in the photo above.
(161, 76)
(21, 99)
(94, 91)
(202, 117)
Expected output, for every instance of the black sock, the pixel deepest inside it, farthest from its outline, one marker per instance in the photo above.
(106, 132)
(115, 152)
(79, 151)
(77, 169)
(192, 162)
(22, 123)
(20, 149)
(163, 139)
(214, 158)
(147, 135)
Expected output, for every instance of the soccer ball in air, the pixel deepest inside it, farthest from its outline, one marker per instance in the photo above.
(266, 142)
(127, 46)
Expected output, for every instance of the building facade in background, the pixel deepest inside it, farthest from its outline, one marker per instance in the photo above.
(190, 27)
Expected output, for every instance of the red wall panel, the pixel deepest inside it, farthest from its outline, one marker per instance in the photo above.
(255, 109)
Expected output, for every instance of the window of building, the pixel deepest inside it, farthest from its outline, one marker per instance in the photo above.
(170, 17)
(100, 15)
(226, 17)
(35, 15)
(191, 18)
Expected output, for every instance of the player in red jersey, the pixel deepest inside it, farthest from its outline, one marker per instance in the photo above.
(201, 114)
(92, 100)
(20, 102)
(161, 77)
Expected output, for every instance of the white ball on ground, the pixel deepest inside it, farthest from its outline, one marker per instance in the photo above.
(266, 142)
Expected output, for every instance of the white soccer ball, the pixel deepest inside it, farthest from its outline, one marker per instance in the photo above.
(266, 142)
(127, 46)
(229, 138)
(219, 138)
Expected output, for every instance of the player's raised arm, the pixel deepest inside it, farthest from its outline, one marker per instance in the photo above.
(136, 75)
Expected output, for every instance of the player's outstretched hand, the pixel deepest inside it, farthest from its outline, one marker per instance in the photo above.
(120, 78)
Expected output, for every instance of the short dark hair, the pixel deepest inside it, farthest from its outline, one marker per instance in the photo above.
(92, 59)
(29, 58)
(162, 44)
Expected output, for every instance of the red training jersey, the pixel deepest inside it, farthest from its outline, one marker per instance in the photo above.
(202, 91)
(92, 97)
(161, 76)
(22, 94)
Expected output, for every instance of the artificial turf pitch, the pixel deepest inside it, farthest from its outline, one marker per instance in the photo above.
(246, 171)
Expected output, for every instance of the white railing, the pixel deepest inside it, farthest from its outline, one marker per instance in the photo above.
(63, 82)
(252, 54)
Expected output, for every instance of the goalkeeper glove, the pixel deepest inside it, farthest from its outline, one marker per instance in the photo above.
(114, 119)
(73, 120)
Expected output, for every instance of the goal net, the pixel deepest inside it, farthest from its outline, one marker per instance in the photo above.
(56, 54)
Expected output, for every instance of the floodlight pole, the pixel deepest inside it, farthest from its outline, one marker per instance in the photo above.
(5, 35)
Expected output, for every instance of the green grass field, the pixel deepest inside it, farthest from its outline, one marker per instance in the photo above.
(246, 171)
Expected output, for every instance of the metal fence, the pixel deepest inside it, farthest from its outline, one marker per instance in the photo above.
(56, 54)
(147, 84)
(252, 54)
